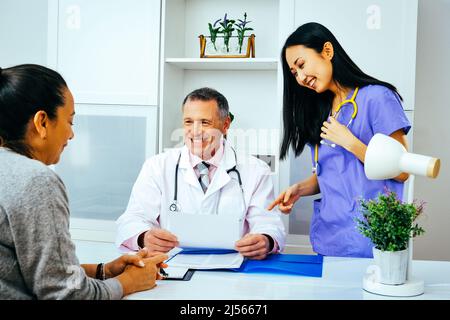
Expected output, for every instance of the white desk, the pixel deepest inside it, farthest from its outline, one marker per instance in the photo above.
(341, 279)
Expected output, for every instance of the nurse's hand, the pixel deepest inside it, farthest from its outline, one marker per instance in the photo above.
(287, 199)
(160, 240)
(253, 246)
(337, 133)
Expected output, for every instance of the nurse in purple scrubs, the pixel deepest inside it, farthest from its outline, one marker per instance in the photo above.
(332, 106)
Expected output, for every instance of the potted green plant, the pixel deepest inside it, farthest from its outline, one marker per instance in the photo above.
(390, 223)
(227, 30)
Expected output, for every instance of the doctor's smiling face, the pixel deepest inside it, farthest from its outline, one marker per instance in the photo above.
(203, 127)
(311, 69)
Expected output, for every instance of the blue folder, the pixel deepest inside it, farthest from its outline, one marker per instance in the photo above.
(295, 264)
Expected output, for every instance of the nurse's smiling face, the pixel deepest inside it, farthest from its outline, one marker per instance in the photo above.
(311, 69)
(203, 127)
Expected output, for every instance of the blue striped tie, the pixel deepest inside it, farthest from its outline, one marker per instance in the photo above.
(202, 168)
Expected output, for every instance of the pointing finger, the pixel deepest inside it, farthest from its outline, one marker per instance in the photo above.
(276, 201)
(287, 195)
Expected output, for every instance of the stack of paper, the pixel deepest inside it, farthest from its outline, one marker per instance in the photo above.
(206, 261)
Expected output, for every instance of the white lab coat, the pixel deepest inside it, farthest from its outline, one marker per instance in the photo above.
(153, 193)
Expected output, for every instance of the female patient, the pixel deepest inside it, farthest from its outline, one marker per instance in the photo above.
(37, 256)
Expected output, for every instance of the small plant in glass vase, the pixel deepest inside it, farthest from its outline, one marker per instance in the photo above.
(241, 29)
(221, 43)
(227, 31)
(213, 31)
(389, 224)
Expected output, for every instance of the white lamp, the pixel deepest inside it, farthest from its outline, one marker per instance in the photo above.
(386, 158)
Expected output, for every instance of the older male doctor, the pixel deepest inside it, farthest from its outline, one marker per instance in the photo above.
(203, 185)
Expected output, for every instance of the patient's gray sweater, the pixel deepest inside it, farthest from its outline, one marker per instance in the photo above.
(37, 256)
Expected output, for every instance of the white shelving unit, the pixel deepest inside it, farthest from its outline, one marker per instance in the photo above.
(250, 84)
(224, 63)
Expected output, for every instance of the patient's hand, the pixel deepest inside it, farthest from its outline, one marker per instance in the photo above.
(253, 246)
(160, 240)
(117, 266)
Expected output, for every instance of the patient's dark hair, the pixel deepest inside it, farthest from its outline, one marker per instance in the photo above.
(25, 90)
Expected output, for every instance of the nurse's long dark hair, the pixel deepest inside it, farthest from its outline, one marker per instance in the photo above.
(304, 110)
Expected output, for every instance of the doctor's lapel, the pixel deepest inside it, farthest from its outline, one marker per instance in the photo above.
(221, 177)
(189, 175)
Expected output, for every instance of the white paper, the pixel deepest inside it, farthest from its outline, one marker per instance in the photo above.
(173, 252)
(207, 261)
(205, 230)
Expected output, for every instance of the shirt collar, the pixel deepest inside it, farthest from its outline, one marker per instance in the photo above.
(215, 160)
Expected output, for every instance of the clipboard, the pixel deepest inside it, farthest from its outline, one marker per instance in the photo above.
(179, 276)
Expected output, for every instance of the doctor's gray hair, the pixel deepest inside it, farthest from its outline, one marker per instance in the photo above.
(207, 94)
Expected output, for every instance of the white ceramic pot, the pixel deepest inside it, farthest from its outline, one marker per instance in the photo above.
(393, 265)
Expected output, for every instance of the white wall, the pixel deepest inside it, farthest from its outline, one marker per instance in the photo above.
(23, 32)
(432, 130)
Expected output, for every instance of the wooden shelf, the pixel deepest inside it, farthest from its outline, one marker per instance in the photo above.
(224, 63)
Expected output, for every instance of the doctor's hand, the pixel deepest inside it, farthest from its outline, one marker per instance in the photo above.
(286, 199)
(253, 246)
(160, 240)
(337, 133)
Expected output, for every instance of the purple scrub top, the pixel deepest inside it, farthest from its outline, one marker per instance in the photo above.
(342, 180)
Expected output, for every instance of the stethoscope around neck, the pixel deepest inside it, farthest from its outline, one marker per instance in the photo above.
(316, 168)
(175, 206)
